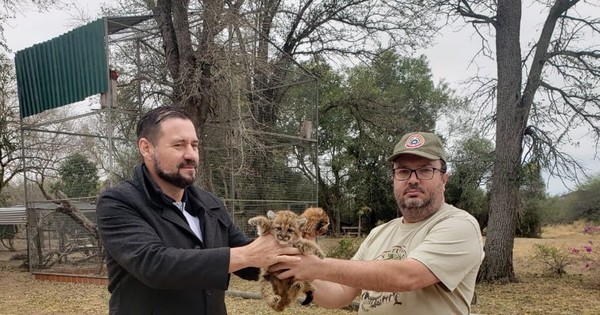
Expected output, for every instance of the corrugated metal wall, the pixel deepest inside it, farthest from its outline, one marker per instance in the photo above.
(13, 215)
(64, 70)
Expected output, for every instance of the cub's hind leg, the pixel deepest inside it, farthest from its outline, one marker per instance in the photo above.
(268, 292)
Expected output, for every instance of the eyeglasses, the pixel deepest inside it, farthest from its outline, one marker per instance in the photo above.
(425, 173)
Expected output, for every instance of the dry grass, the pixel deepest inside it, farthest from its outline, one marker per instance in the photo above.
(576, 293)
(534, 294)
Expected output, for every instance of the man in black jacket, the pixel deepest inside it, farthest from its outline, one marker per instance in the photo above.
(170, 246)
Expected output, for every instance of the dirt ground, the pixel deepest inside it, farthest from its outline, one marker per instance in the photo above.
(574, 293)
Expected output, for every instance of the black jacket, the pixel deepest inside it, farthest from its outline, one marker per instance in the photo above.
(156, 264)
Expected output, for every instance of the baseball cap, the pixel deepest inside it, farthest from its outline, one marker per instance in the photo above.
(424, 144)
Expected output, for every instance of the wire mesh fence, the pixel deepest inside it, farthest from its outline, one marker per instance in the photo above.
(57, 242)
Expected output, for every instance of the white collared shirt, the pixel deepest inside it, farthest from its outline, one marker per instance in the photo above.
(192, 221)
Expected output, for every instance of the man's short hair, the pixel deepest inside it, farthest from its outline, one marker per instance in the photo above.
(149, 124)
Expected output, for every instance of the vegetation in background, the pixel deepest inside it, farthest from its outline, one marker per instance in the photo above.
(584, 203)
(383, 97)
(588, 254)
(532, 195)
(363, 112)
(580, 204)
(553, 259)
(541, 91)
(470, 169)
(345, 248)
(10, 145)
(78, 177)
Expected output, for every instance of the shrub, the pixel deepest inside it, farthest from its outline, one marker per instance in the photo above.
(553, 259)
(345, 248)
(589, 257)
(586, 254)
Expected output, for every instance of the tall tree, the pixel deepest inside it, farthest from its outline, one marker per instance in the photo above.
(561, 66)
(10, 142)
(192, 69)
(210, 46)
(290, 30)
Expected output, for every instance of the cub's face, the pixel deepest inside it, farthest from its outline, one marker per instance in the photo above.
(285, 231)
(286, 226)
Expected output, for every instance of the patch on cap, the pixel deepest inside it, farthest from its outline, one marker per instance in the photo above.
(414, 141)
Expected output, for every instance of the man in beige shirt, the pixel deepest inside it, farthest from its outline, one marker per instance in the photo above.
(424, 262)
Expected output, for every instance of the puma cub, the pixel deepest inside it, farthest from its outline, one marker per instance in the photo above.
(286, 227)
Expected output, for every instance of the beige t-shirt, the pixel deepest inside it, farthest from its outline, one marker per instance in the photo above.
(449, 243)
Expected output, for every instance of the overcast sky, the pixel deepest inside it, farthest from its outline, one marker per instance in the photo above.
(449, 57)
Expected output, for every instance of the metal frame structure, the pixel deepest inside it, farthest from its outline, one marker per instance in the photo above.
(112, 26)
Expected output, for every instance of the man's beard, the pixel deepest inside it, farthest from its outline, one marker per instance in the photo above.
(176, 178)
(416, 209)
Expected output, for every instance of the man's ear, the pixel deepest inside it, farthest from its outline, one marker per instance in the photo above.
(445, 180)
(145, 147)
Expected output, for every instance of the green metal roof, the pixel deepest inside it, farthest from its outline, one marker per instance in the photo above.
(64, 70)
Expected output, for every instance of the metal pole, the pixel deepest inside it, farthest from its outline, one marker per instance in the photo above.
(139, 74)
(30, 217)
(109, 103)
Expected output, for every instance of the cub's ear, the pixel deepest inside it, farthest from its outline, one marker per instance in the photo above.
(302, 221)
(271, 215)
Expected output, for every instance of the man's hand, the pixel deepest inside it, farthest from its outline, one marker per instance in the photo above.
(262, 252)
(304, 267)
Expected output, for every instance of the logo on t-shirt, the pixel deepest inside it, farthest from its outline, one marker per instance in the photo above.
(397, 252)
(371, 300)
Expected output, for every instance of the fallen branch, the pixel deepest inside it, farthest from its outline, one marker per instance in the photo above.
(68, 208)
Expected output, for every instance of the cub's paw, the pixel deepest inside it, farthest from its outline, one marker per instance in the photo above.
(254, 221)
(298, 285)
(274, 300)
(320, 254)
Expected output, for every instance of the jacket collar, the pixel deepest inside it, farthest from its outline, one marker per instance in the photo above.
(196, 198)
(151, 189)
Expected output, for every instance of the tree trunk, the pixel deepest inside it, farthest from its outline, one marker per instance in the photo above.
(192, 70)
(512, 114)
(34, 235)
(511, 119)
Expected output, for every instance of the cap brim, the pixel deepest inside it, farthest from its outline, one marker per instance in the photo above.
(392, 157)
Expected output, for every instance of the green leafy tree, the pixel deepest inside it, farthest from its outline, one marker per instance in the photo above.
(471, 165)
(532, 197)
(78, 177)
(362, 114)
